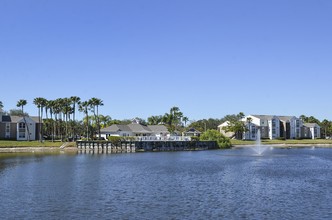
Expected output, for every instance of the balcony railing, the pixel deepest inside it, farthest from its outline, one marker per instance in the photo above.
(167, 138)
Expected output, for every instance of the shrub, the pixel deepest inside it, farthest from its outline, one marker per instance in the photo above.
(115, 139)
(214, 135)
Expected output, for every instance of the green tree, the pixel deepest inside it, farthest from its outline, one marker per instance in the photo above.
(40, 103)
(214, 135)
(185, 120)
(105, 121)
(84, 107)
(95, 103)
(249, 120)
(326, 125)
(75, 101)
(237, 127)
(173, 118)
(21, 103)
(17, 112)
(155, 120)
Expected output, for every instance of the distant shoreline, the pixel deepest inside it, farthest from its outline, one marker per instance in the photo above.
(21, 149)
(285, 145)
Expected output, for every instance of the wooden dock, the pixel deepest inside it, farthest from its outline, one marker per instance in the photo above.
(143, 146)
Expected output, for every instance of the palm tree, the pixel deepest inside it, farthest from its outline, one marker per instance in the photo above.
(37, 102)
(66, 110)
(84, 107)
(95, 103)
(105, 120)
(50, 105)
(185, 119)
(155, 120)
(75, 100)
(249, 120)
(21, 103)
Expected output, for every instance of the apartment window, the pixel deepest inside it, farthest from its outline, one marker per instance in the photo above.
(21, 125)
(7, 127)
(273, 131)
(273, 123)
(21, 135)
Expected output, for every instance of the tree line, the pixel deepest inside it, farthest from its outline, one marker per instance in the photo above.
(60, 120)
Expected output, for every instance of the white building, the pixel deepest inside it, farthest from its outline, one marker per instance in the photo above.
(15, 128)
(290, 127)
(134, 129)
(311, 130)
(269, 126)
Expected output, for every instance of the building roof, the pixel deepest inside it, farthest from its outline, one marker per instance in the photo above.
(264, 117)
(158, 128)
(311, 125)
(115, 128)
(192, 131)
(16, 119)
(286, 118)
(136, 128)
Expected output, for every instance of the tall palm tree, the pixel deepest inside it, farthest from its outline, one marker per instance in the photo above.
(75, 100)
(249, 120)
(66, 110)
(37, 102)
(185, 119)
(51, 106)
(57, 105)
(95, 103)
(84, 107)
(21, 103)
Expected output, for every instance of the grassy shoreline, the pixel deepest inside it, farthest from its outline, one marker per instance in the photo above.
(281, 143)
(34, 146)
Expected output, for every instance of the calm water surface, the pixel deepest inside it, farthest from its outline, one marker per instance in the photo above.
(221, 184)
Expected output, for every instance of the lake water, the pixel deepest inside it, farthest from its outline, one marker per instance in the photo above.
(216, 184)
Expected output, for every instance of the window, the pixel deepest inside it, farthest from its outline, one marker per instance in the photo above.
(21, 125)
(21, 135)
(273, 131)
(7, 127)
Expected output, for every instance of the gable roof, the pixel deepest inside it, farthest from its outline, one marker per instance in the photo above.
(264, 117)
(16, 119)
(115, 128)
(311, 125)
(192, 131)
(286, 118)
(138, 128)
(158, 128)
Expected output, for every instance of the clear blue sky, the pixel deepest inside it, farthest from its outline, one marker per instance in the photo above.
(142, 57)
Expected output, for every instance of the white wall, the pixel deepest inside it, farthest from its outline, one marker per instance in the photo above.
(32, 129)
